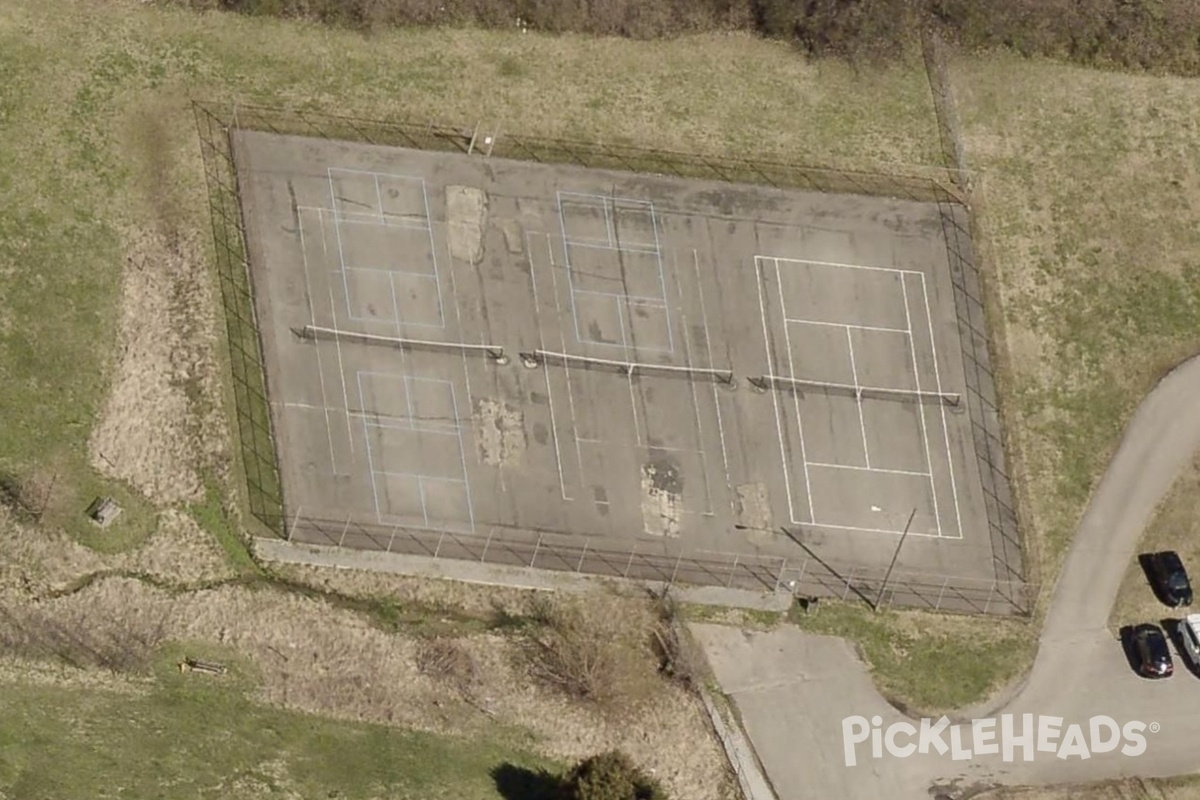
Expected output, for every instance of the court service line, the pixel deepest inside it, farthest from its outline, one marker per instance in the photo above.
(562, 224)
(862, 425)
(337, 340)
(597, 244)
(462, 335)
(662, 276)
(312, 314)
(762, 310)
(787, 338)
(847, 325)
(928, 534)
(937, 376)
(562, 486)
(912, 349)
(708, 352)
(870, 469)
(846, 266)
(370, 458)
(562, 340)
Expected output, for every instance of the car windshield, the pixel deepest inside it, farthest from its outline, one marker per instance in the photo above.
(1178, 581)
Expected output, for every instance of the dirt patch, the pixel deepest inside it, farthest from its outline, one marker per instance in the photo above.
(662, 491)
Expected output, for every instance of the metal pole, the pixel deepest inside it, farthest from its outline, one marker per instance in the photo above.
(536, 547)
(295, 521)
(895, 556)
(579, 566)
(342, 540)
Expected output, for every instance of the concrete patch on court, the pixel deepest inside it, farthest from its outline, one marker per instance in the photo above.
(752, 506)
(499, 432)
(662, 489)
(466, 216)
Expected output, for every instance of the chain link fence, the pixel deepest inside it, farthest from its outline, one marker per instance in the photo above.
(801, 576)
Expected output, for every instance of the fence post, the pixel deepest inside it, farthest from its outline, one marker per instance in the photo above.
(486, 544)
(991, 592)
(733, 572)
(438, 549)
(629, 565)
(846, 590)
(345, 528)
(392, 538)
(938, 605)
(675, 571)
(579, 566)
(800, 577)
(779, 575)
(536, 547)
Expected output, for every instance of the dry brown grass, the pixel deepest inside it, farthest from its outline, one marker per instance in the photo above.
(313, 657)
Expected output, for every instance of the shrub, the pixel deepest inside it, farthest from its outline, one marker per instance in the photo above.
(610, 776)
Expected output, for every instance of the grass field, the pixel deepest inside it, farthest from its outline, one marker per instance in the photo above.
(190, 735)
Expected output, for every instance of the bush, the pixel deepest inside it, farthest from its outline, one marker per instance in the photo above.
(610, 776)
(589, 656)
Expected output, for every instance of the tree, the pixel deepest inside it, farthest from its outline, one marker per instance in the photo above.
(610, 776)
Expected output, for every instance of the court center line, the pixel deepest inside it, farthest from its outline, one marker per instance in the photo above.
(787, 337)
(562, 224)
(862, 425)
(433, 256)
(562, 486)
(462, 454)
(312, 315)
(912, 349)
(874, 530)
(762, 310)
(937, 376)
(662, 277)
(708, 352)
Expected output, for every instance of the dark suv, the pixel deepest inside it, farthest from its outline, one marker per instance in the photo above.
(1150, 653)
(1170, 579)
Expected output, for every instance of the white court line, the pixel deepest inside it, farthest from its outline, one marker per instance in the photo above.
(846, 266)
(862, 425)
(370, 458)
(419, 476)
(378, 197)
(337, 341)
(874, 530)
(662, 276)
(687, 355)
(562, 225)
(637, 299)
(562, 485)
(461, 336)
(433, 255)
(377, 221)
(870, 469)
(462, 454)
(787, 337)
(428, 275)
(937, 376)
(708, 352)
(921, 408)
(312, 314)
(597, 244)
(762, 310)
(848, 325)
(562, 340)
(609, 230)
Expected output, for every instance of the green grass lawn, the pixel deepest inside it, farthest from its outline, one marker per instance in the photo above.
(198, 736)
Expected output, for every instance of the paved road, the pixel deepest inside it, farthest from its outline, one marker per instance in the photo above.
(794, 689)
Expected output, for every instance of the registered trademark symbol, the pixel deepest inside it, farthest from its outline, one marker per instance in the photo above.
(1155, 727)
